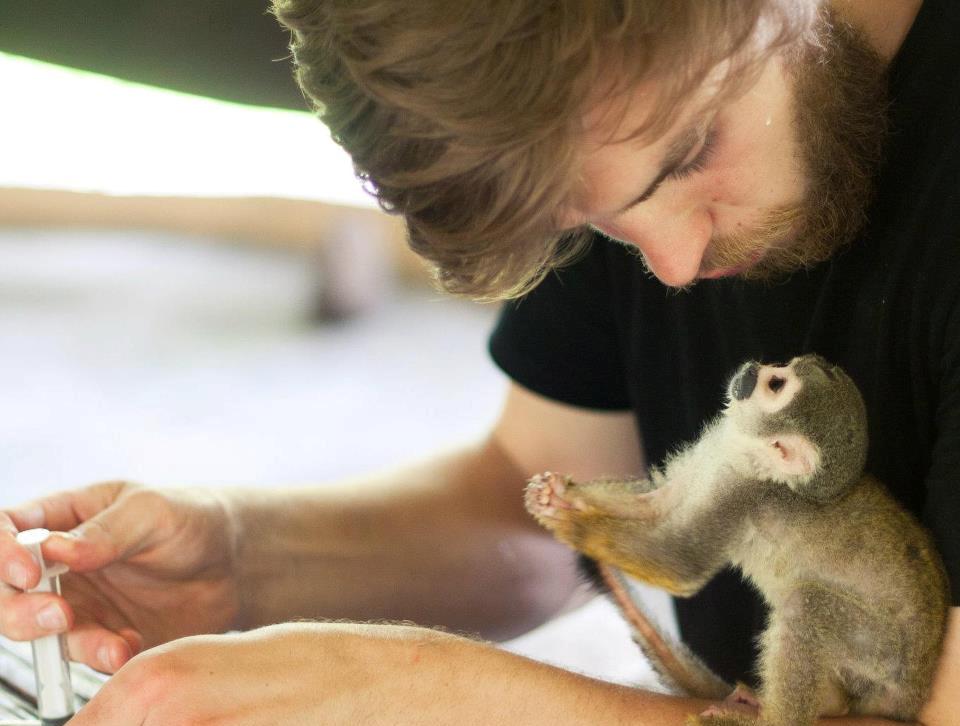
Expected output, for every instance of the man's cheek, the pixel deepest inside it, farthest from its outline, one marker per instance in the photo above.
(757, 186)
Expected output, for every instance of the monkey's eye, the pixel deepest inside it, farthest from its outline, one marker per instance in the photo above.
(776, 383)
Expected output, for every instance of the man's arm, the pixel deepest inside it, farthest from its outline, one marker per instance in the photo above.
(375, 675)
(943, 706)
(446, 542)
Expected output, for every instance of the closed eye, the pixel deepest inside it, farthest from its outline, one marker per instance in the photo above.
(699, 162)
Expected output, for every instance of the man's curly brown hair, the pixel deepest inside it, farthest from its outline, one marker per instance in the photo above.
(467, 117)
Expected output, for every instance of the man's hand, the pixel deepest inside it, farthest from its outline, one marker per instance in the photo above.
(146, 567)
(376, 675)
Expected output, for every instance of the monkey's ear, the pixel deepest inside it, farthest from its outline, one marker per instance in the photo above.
(794, 455)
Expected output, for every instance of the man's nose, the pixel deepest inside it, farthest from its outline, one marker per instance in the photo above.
(672, 244)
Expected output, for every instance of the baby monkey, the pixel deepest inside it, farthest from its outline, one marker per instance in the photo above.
(858, 596)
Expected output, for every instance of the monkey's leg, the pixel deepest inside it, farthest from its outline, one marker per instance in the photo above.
(799, 654)
(622, 523)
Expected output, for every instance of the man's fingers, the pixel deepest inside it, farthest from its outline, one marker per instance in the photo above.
(34, 615)
(133, 639)
(17, 566)
(28, 616)
(106, 538)
(96, 526)
(103, 649)
(63, 511)
(29, 515)
(52, 512)
(88, 547)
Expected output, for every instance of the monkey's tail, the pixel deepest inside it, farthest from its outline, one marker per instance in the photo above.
(674, 662)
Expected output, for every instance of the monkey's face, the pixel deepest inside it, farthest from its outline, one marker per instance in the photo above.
(808, 421)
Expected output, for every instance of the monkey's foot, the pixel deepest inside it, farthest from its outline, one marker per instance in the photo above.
(726, 718)
(742, 700)
(741, 707)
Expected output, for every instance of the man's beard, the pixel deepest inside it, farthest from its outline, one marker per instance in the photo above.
(840, 121)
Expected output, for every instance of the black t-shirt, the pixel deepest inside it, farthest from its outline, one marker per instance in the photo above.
(602, 334)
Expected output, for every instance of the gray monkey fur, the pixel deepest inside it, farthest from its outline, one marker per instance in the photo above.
(774, 485)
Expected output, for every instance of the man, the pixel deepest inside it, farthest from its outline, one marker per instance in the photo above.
(716, 140)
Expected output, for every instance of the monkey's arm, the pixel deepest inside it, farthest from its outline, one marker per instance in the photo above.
(646, 531)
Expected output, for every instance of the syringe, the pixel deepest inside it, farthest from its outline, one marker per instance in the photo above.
(51, 664)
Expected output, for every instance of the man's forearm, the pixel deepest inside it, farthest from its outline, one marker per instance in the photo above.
(442, 543)
(493, 686)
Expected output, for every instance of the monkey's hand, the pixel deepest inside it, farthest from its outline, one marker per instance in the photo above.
(589, 517)
(555, 499)
(546, 493)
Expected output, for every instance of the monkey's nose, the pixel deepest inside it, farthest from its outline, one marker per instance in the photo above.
(745, 382)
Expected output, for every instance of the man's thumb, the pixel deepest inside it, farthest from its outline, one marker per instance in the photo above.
(108, 536)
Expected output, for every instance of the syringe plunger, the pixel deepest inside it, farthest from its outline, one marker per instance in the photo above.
(51, 663)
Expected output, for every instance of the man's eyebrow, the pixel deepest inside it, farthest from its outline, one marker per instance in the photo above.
(678, 150)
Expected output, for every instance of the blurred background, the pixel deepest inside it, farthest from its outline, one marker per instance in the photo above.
(194, 289)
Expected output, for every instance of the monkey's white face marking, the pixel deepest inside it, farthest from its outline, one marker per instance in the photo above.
(776, 387)
(788, 458)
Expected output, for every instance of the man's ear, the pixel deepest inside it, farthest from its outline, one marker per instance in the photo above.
(793, 455)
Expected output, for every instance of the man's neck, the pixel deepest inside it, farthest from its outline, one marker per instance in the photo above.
(884, 22)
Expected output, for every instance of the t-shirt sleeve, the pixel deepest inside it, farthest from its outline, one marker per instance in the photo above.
(560, 340)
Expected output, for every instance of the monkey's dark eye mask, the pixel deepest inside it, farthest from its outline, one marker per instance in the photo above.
(745, 382)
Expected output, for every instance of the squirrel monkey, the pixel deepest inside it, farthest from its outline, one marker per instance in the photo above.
(857, 593)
